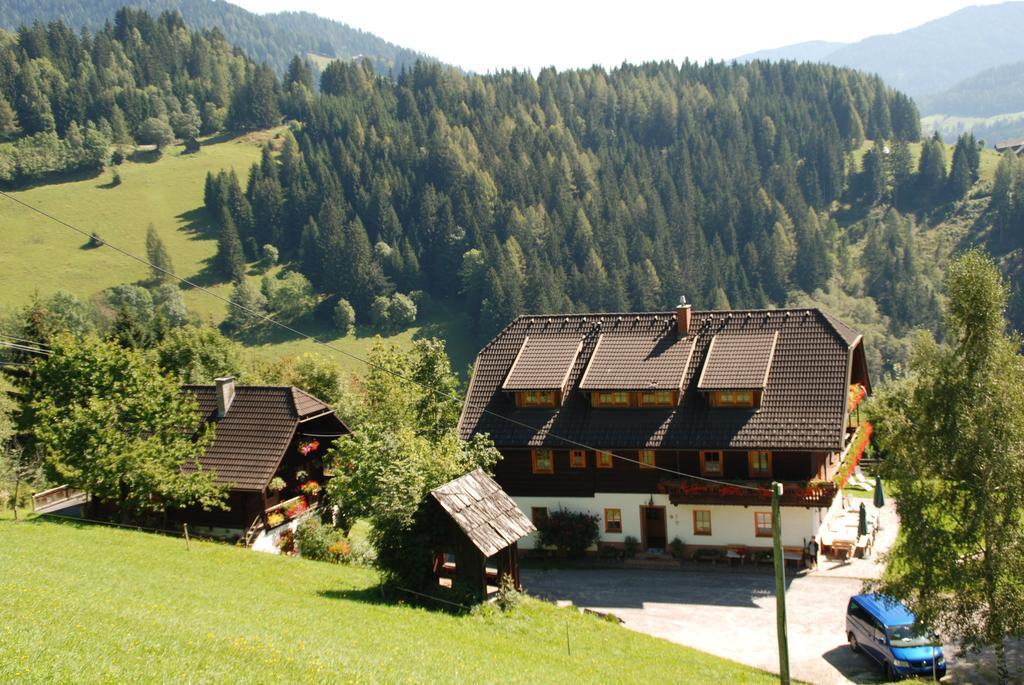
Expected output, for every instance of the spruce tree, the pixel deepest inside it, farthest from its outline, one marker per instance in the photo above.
(161, 267)
(230, 258)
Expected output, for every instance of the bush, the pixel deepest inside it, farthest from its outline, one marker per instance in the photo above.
(116, 180)
(571, 532)
(344, 316)
(339, 552)
(508, 596)
(270, 256)
(314, 540)
(676, 548)
(117, 157)
(630, 546)
(401, 311)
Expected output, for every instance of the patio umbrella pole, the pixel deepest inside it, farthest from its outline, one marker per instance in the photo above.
(780, 586)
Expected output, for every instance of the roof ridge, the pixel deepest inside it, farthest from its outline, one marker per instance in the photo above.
(847, 333)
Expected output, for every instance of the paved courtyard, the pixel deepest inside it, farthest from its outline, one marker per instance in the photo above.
(732, 614)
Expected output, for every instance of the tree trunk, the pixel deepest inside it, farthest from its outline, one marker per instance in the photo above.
(14, 497)
(1002, 670)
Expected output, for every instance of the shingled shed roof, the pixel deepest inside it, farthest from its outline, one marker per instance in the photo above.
(738, 361)
(254, 434)
(802, 408)
(543, 363)
(623, 360)
(482, 510)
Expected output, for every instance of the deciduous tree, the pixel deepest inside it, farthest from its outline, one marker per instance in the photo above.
(114, 426)
(954, 435)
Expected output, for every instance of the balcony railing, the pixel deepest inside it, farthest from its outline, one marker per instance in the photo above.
(794, 493)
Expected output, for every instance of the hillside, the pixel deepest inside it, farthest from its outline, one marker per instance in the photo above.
(930, 58)
(985, 94)
(581, 190)
(274, 38)
(810, 51)
(145, 609)
(40, 257)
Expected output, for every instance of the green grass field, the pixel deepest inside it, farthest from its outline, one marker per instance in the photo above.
(84, 604)
(39, 256)
(986, 168)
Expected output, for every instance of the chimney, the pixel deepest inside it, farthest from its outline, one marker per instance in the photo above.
(225, 394)
(683, 315)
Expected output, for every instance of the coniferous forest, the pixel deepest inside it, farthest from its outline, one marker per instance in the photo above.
(572, 191)
(67, 97)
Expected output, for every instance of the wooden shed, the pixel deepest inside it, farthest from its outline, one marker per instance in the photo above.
(479, 542)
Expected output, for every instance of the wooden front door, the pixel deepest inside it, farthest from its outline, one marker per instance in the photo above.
(652, 528)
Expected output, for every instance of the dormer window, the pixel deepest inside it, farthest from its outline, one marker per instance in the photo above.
(657, 398)
(736, 369)
(540, 372)
(611, 399)
(626, 371)
(536, 398)
(732, 398)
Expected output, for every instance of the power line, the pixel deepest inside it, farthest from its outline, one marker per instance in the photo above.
(24, 348)
(440, 393)
(27, 342)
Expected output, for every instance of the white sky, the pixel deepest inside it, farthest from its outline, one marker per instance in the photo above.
(483, 36)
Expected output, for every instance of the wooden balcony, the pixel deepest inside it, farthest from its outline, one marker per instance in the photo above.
(794, 493)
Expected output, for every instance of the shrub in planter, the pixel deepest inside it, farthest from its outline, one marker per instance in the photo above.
(676, 548)
(310, 488)
(295, 509)
(286, 543)
(630, 546)
(277, 484)
(571, 532)
(275, 519)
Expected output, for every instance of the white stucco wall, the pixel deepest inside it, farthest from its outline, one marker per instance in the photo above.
(730, 524)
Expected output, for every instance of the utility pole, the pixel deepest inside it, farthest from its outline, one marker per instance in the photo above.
(780, 586)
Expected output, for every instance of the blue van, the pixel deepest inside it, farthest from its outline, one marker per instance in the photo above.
(885, 630)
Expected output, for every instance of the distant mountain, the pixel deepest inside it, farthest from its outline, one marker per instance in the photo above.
(811, 51)
(985, 94)
(930, 58)
(272, 38)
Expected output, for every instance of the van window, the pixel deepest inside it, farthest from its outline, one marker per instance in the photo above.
(858, 612)
(909, 635)
(879, 630)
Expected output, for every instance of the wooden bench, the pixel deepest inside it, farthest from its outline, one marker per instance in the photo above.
(707, 554)
(793, 554)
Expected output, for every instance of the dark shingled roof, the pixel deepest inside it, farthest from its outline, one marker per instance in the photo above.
(802, 407)
(738, 361)
(252, 437)
(482, 510)
(628, 360)
(543, 363)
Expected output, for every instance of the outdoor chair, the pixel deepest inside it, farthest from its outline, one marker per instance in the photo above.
(736, 554)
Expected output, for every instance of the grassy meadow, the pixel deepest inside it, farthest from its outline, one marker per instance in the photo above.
(89, 604)
(40, 256)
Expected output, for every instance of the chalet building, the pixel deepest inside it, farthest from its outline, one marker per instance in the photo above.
(1015, 146)
(612, 414)
(262, 433)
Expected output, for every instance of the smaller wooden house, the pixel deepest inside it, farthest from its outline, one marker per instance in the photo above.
(1015, 146)
(479, 544)
(262, 434)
